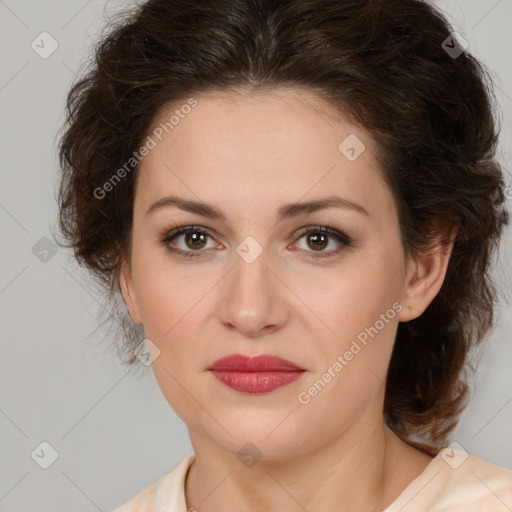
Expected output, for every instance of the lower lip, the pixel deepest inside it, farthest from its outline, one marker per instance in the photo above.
(256, 382)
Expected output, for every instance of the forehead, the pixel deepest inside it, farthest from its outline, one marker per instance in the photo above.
(241, 121)
(276, 146)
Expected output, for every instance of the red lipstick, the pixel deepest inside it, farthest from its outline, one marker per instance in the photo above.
(255, 375)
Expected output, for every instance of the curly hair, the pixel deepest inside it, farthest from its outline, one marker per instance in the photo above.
(387, 66)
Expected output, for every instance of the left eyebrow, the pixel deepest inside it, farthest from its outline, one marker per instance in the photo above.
(288, 210)
(294, 209)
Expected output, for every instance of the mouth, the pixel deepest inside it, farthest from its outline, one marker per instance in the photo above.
(255, 375)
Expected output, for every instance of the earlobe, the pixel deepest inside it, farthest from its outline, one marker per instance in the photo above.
(128, 293)
(426, 271)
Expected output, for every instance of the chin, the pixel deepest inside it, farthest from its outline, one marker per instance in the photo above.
(265, 437)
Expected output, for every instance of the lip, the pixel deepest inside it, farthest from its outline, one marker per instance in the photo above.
(257, 374)
(261, 363)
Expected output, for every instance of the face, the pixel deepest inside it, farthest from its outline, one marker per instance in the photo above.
(252, 281)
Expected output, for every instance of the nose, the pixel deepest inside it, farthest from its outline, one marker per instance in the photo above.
(254, 297)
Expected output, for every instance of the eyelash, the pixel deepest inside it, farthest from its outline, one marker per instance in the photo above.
(326, 230)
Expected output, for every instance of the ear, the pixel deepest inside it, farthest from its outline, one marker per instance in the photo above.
(426, 271)
(128, 293)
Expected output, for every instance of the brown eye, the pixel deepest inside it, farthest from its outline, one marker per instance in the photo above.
(317, 241)
(319, 237)
(195, 240)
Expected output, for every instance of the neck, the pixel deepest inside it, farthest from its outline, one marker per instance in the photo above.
(355, 472)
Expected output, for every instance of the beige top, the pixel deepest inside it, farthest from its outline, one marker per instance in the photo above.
(452, 481)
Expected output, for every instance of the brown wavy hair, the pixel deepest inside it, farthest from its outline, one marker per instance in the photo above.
(384, 64)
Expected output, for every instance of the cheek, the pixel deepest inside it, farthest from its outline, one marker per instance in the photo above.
(353, 297)
(353, 354)
(174, 308)
(357, 307)
(171, 306)
(164, 297)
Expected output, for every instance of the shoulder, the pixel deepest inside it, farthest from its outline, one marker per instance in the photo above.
(476, 484)
(167, 493)
(456, 481)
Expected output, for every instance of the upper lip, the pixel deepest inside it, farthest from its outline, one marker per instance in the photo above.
(261, 363)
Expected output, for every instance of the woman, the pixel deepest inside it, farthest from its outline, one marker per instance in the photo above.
(298, 202)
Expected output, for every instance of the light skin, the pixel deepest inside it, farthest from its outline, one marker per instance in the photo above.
(248, 155)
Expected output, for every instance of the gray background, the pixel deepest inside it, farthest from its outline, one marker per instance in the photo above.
(113, 431)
